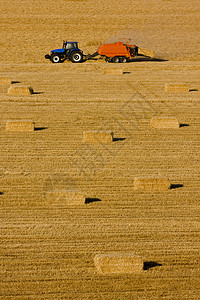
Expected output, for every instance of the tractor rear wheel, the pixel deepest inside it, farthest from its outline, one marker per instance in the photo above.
(76, 57)
(55, 58)
(115, 59)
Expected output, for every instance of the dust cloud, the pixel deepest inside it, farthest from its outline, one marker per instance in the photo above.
(167, 45)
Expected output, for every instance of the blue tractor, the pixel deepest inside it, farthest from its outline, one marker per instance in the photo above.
(69, 51)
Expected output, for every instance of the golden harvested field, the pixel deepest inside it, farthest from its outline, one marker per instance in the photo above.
(47, 247)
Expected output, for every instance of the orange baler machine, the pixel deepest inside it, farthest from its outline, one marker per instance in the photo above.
(115, 49)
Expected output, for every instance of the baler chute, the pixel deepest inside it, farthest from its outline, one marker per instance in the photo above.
(145, 52)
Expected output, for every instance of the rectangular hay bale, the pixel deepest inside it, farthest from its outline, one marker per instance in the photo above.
(20, 90)
(176, 88)
(164, 122)
(20, 125)
(113, 71)
(146, 52)
(97, 137)
(118, 263)
(5, 80)
(151, 184)
(65, 197)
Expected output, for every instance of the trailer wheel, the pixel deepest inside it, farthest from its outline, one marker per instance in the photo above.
(76, 57)
(55, 58)
(123, 60)
(115, 59)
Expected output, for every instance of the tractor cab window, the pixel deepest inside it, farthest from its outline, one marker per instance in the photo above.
(71, 46)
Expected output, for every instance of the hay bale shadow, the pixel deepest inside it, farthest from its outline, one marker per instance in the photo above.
(118, 139)
(175, 186)
(37, 93)
(184, 125)
(1, 193)
(13, 82)
(150, 264)
(193, 90)
(40, 128)
(91, 200)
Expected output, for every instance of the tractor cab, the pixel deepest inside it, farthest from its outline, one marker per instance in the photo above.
(70, 45)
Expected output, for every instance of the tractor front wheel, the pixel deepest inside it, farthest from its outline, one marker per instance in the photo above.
(76, 57)
(55, 58)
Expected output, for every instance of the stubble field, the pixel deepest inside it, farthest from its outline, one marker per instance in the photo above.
(47, 249)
